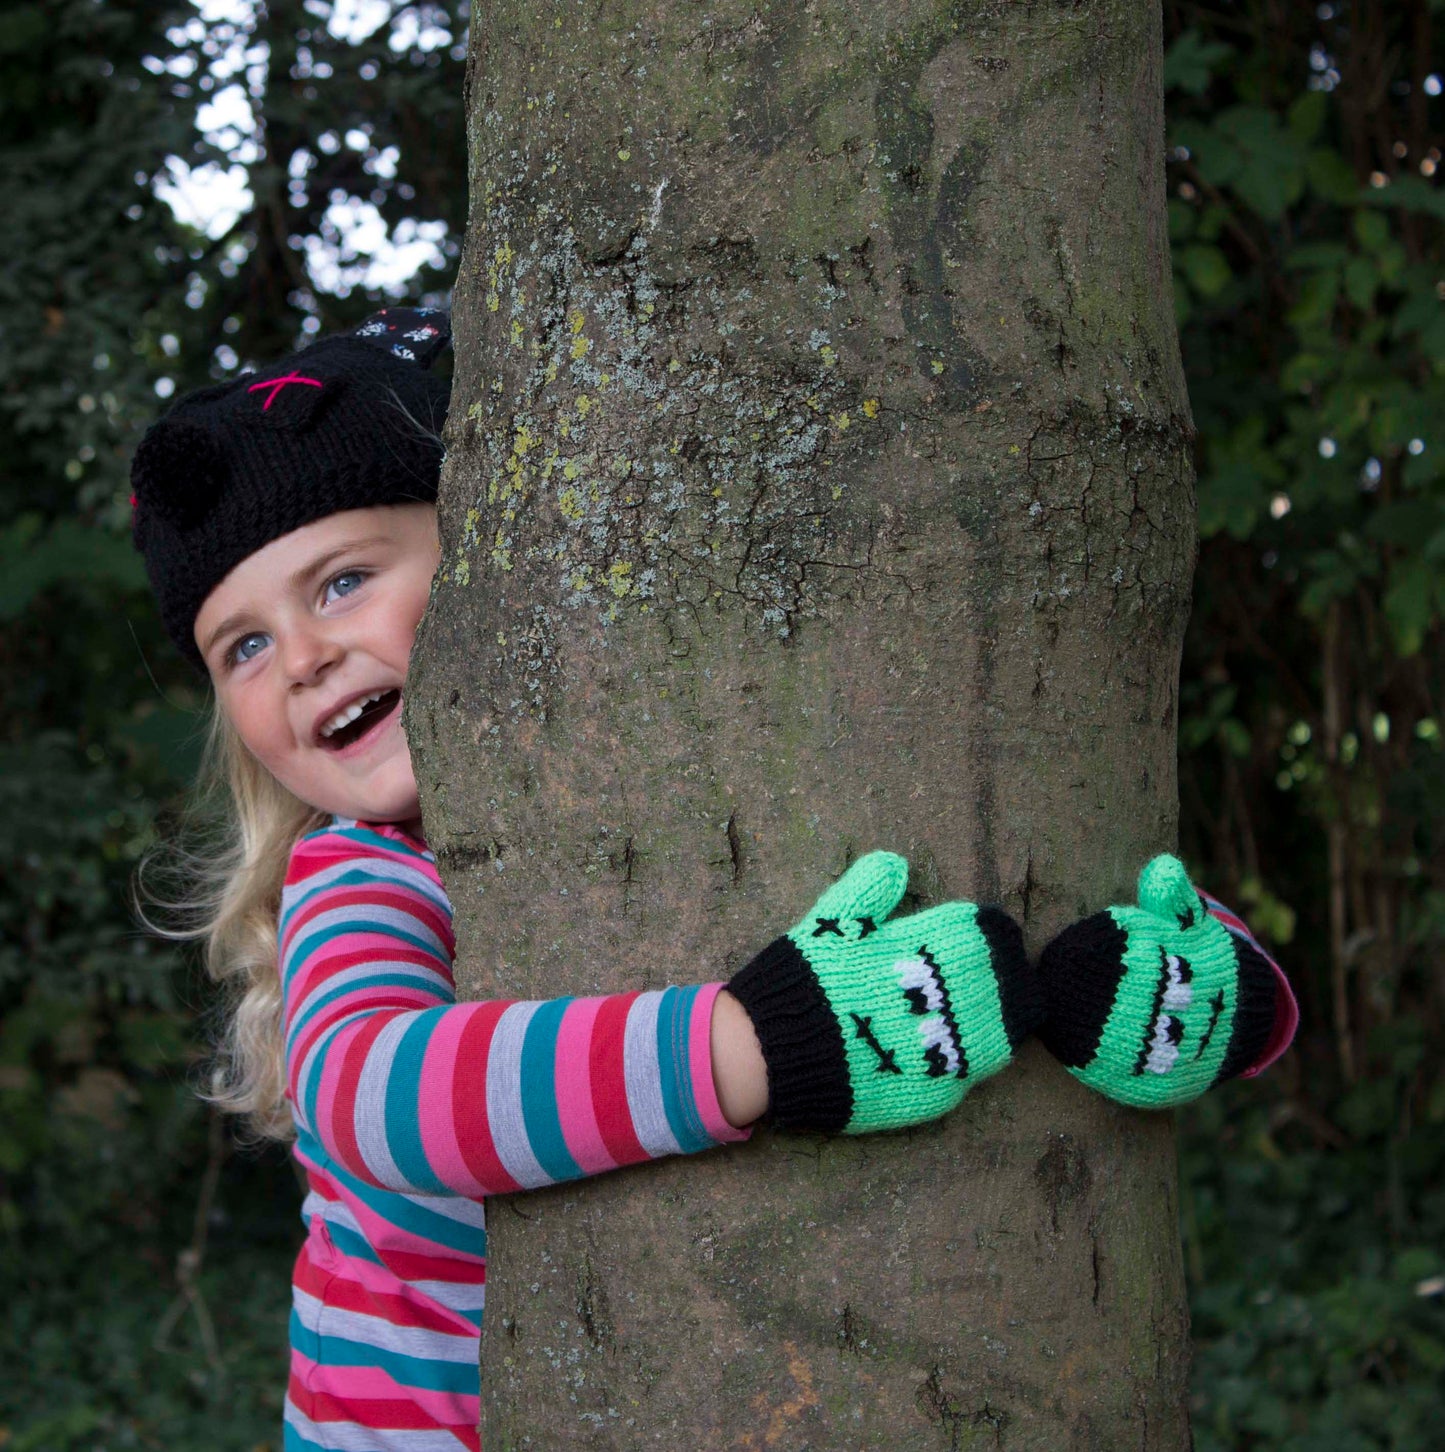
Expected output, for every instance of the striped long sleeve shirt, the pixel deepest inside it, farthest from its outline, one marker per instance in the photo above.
(411, 1108)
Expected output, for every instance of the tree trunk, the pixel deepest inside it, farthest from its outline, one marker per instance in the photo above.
(818, 481)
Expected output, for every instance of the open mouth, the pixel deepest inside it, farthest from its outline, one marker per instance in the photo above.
(1160, 1050)
(347, 727)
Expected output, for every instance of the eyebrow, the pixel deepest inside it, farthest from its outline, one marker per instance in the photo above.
(297, 580)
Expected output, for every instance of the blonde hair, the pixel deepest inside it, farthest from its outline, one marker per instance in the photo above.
(222, 887)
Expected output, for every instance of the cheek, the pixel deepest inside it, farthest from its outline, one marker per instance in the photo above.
(408, 619)
(263, 731)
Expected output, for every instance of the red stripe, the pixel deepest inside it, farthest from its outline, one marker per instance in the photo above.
(390, 999)
(609, 1085)
(469, 1099)
(396, 1308)
(344, 1144)
(393, 896)
(398, 1414)
(306, 979)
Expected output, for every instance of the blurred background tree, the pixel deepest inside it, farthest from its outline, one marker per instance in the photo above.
(186, 188)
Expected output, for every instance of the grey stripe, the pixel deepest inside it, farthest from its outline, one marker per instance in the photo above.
(382, 869)
(348, 1437)
(311, 1064)
(418, 1341)
(504, 1098)
(345, 918)
(642, 1074)
(428, 980)
(371, 1104)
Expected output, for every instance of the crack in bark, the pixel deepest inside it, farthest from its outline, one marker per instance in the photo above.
(735, 848)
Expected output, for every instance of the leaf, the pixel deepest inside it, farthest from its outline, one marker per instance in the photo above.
(69, 552)
(1405, 522)
(1231, 499)
(1191, 62)
(1310, 255)
(1422, 468)
(1409, 193)
(1361, 279)
(1182, 220)
(1219, 160)
(1331, 177)
(1407, 603)
(1306, 371)
(1235, 737)
(1306, 118)
(1315, 303)
(1272, 175)
(1371, 230)
(1207, 270)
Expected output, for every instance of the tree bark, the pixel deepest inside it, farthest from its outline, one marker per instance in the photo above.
(818, 480)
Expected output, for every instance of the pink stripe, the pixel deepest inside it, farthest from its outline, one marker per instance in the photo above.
(699, 1053)
(378, 1281)
(573, 1084)
(332, 1064)
(1286, 1007)
(440, 1070)
(367, 1383)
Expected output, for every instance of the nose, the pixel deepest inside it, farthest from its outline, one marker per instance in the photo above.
(308, 651)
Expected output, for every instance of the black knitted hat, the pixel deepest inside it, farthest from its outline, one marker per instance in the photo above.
(350, 422)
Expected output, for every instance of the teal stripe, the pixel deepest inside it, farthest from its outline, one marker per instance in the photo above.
(403, 1105)
(293, 1441)
(311, 1090)
(395, 1209)
(327, 879)
(323, 1001)
(674, 1019)
(458, 1377)
(316, 938)
(539, 1092)
(368, 838)
(352, 1245)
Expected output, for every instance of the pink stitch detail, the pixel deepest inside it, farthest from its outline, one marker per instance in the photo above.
(277, 384)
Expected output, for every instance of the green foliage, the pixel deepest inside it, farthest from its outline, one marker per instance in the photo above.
(142, 1308)
(1305, 218)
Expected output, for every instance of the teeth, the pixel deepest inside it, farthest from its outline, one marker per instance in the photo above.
(346, 717)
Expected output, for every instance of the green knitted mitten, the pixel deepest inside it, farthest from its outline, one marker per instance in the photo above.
(1151, 1005)
(870, 1024)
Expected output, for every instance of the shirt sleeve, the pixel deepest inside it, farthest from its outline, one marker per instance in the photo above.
(410, 1090)
(1286, 1009)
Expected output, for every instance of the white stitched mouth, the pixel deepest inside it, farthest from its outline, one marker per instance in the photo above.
(1160, 1050)
(1164, 1045)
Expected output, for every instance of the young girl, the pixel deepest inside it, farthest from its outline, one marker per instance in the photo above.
(288, 526)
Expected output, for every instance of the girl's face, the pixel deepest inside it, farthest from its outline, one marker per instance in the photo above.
(307, 642)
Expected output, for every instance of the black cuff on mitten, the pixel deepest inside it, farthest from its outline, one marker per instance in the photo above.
(1079, 974)
(802, 1044)
(1020, 996)
(1254, 1011)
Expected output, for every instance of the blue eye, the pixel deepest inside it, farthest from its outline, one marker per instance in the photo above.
(249, 646)
(346, 583)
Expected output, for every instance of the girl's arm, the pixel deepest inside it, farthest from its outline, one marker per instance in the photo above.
(407, 1089)
(738, 1070)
